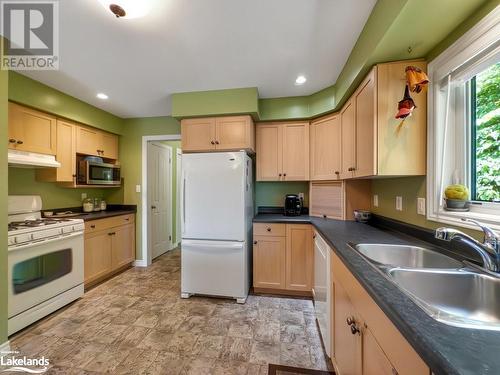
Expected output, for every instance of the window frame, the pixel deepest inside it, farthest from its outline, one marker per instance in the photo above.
(473, 43)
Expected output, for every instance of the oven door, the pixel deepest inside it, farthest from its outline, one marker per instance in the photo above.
(42, 270)
(103, 174)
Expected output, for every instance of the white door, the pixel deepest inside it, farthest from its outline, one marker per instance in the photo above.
(178, 227)
(160, 197)
(214, 187)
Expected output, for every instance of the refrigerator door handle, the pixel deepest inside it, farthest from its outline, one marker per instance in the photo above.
(184, 205)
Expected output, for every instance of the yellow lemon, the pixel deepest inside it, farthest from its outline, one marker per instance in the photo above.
(459, 192)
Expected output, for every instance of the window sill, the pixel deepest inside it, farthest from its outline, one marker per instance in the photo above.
(455, 218)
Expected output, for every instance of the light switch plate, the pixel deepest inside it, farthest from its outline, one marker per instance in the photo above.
(375, 200)
(399, 203)
(137, 188)
(421, 206)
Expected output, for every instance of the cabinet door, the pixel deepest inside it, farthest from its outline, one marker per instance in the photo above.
(296, 151)
(269, 262)
(269, 152)
(88, 141)
(326, 148)
(348, 124)
(375, 361)
(366, 125)
(198, 134)
(299, 257)
(109, 145)
(122, 245)
(97, 255)
(234, 133)
(347, 346)
(66, 151)
(31, 130)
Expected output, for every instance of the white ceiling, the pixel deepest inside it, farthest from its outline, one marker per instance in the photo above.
(195, 45)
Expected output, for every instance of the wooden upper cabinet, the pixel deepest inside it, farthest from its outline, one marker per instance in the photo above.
(91, 141)
(65, 154)
(296, 151)
(269, 254)
(234, 133)
(198, 134)
(299, 257)
(31, 130)
(325, 148)
(348, 125)
(109, 146)
(283, 151)
(218, 133)
(365, 101)
(269, 152)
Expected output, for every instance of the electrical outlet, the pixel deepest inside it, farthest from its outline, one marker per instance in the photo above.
(84, 195)
(399, 203)
(301, 196)
(137, 188)
(375, 200)
(421, 206)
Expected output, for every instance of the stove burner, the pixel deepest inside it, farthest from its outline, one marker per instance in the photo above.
(34, 223)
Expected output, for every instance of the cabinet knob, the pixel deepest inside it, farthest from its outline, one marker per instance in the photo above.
(93, 226)
(337, 173)
(255, 242)
(355, 330)
(212, 142)
(279, 174)
(284, 174)
(268, 229)
(350, 321)
(216, 142)
(153, 207)
(20, 142)
(12, 140)
(127, 219)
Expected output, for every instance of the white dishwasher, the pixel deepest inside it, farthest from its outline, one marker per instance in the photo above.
(322, 289)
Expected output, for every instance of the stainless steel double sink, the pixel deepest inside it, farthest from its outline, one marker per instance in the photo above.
(443, 287)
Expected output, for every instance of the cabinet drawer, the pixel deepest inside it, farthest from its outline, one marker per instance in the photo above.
(269, 229)
(110, 222)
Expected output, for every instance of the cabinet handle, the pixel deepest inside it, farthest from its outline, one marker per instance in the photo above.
(111, 233)
(216, 142)
(268, 229)
(12, 140)
(355, 330)
(337, 173)
(153, 207)
(350, 321)
(20, 142)
(93, 226)
(255, 242)
(127, 219)
(212, 142)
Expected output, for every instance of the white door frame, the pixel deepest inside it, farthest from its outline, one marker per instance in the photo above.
(145, 250)
(178, 161)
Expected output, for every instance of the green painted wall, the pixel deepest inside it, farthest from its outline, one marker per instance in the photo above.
(131, 159)
(273, 193)
(22, 181)
(35, 94)
(175, 145)
(4, 78)
(216, 102)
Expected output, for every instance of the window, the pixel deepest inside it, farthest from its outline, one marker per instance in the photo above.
(464, 124)
(485, 135)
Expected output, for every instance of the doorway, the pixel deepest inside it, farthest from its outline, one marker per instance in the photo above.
(160, 195)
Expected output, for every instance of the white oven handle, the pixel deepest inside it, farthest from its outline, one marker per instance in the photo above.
(44, 241)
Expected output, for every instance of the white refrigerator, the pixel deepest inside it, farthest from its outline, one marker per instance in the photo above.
(217, 211)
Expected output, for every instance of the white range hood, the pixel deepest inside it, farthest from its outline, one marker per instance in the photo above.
(22, 159)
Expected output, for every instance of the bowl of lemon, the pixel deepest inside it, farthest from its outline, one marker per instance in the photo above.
(457, 198)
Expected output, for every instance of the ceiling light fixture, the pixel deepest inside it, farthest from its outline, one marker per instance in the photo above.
(128, 8)
(102, 96)
(300, 80)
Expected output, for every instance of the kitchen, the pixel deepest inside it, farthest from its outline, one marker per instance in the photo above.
(327, 220)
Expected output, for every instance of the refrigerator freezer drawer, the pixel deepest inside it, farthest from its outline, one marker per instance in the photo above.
(216, 268)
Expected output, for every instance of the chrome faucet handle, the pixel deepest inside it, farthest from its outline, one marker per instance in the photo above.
(491, 239)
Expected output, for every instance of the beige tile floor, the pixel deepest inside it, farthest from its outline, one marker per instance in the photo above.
(136, 323)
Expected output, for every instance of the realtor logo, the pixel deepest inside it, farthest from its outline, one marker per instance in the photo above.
(30, 31)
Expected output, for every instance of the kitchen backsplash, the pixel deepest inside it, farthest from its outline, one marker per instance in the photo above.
(22, 182)
(273, 193)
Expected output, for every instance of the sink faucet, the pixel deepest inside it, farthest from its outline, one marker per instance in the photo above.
(488, 250)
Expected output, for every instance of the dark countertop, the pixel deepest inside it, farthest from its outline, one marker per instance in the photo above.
(445, 349)
(112, 210)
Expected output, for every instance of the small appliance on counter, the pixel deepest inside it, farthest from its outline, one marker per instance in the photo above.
(293, 205)
(362, 216)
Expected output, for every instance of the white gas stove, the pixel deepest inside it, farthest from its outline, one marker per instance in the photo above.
(45, 259)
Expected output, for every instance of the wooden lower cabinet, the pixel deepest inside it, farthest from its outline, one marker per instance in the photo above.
(108, 249)
(283, 258)
(365, 341)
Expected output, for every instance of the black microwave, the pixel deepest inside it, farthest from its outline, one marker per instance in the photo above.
(92, 173)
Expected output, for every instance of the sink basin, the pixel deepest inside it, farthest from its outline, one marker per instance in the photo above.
(456, 297)
(406, 256)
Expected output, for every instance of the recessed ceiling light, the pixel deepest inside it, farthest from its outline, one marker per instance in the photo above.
(128, 8)
(300, 80)
(102, 96)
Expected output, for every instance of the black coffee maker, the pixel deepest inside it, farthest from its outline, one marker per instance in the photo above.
(293, 205)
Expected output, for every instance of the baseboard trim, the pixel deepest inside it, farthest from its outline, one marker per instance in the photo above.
(140, 263)
(5, 347)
